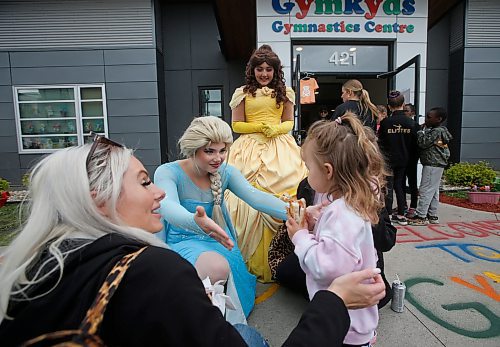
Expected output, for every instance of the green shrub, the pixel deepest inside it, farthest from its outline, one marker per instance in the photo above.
(468, 174)
(4, 185)
(26, 180)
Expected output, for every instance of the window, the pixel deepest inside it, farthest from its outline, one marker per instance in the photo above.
(53, 117)
(211, 101)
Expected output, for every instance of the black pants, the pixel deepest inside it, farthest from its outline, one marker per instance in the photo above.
(289, 274)
(396, 183)
(411, 174)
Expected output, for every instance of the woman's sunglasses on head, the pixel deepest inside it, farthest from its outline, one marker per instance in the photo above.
(99, 139)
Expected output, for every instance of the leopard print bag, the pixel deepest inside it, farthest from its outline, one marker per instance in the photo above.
(281, 246)
(86, 335)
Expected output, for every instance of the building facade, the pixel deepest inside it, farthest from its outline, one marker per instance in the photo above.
(334, 41)
(140, 70)
(463, 75)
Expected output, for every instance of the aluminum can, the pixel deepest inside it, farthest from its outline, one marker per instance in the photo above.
(398, 296)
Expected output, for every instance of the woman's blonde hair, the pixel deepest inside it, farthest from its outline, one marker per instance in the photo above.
(356, 87)
(62, 203)
(358, 166)
(200, 133)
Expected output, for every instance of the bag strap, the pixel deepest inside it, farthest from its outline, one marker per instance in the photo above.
(95, 313)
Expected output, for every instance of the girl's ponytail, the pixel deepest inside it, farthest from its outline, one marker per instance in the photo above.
(366, 104)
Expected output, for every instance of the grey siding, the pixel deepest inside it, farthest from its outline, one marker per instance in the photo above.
(46, 42)
(130, 80)
(132, 101)
(42, 24)
(438, 56)
(481, 119)
(481, 105)
(9, 165)
(193, 60)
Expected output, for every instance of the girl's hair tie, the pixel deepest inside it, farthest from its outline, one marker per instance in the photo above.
(338, 120)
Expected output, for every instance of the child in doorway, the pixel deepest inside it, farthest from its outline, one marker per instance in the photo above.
(346, 165)
(381, 115)
(433, 142)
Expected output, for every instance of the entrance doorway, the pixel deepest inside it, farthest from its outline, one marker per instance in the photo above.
(329, 95)
(332, 64)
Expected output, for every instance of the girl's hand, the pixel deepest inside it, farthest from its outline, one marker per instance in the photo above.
(313, 212)
(211, 228)
(292, 226)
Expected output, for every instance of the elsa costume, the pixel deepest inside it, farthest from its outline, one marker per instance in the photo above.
(185, 237)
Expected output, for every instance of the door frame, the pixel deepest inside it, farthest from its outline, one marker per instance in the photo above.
(391, 79)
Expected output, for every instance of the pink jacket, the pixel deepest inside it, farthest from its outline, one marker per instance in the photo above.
(340, 243)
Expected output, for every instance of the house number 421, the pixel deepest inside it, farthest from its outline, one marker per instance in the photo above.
(343, 58)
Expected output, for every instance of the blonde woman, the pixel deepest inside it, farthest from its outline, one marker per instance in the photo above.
(356, 99)
(197, 224)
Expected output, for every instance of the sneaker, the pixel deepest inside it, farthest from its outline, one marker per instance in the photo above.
(400, 220)
(417, 220)
(412, 213)
(395, 210)
(433, 219)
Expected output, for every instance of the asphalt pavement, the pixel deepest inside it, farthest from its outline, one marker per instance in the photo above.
(452, 274)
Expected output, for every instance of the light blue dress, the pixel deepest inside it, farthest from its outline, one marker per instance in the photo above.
(185, 237)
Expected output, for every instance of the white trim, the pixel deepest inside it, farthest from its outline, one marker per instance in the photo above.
(78, 118)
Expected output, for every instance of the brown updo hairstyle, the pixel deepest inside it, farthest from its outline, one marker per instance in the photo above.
(265, 54)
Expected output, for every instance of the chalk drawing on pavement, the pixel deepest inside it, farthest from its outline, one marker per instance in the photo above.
(446, 231)
(484, 287)
(494, 321)
(472, 249)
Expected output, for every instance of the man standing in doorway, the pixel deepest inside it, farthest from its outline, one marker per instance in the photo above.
(397, 139)
(411, 168)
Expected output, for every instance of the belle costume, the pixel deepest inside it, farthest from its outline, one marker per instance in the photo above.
(271, 164)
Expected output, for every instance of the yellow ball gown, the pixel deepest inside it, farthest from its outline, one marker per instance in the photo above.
(273, 165)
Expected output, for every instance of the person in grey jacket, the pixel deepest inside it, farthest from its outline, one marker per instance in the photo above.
(433, 142)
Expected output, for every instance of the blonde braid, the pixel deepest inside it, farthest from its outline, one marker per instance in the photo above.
(216, 187)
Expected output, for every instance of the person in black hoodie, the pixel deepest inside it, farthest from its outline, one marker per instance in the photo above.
(90, 206)
(357, 100)
(397, 140)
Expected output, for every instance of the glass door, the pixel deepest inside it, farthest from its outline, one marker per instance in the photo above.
(406, 79)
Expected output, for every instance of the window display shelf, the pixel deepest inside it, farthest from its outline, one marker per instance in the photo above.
(54, 117)
(49, 142)
(55, 127)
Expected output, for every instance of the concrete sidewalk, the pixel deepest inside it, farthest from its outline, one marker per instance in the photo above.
(452, 275)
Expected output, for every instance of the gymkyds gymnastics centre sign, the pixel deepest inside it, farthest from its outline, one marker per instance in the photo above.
(366, 10)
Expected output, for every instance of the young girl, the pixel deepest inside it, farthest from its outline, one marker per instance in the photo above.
(345, 163)
(381, 115)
